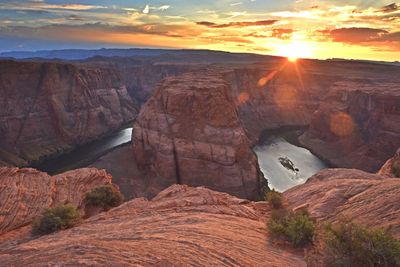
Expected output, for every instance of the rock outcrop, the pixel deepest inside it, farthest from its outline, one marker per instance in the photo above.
(182, 226)
(189, 133)
(25, 193)
(50, 108)
(357, 125)
(370, 199)
(392, 167)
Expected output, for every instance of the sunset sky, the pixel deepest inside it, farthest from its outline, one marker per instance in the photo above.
(368, 29)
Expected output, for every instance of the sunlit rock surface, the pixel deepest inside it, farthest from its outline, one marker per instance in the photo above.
(182, 226)
(25, 193)
(370, 199)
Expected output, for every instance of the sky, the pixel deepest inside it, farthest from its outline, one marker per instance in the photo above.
(357, 29)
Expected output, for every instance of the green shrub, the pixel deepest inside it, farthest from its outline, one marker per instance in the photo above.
(294, 227)
(348, 244)
(274, 198)
(396, 169)
(56, 218)
(106, 196)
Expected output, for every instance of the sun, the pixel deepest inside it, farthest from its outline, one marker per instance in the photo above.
(295, 50)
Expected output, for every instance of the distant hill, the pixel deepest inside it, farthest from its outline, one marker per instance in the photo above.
(81, 54)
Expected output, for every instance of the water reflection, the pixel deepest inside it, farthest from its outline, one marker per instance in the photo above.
(286, 165)
(86, 154)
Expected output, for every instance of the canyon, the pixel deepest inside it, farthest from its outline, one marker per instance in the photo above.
(193, 184)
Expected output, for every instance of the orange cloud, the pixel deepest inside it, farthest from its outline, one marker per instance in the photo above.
(237, 23)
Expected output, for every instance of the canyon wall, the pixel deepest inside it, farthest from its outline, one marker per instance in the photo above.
(189, 132)
(49, 108)
(351, 109)
(357, 124)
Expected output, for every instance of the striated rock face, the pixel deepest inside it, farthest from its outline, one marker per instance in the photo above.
(189, 132)
(49, 108)
(182, 226)
(369, 199)
(357, 125)
(275, 96)
(25, 193)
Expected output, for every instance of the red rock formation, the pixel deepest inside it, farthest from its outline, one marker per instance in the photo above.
(182, 226)
(25, 193)
(49, 108)
(357, 125)
(369, 199)
(189, 132)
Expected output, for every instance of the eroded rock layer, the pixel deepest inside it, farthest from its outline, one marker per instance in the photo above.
(182, 226)
(49, 108)
(333, 194)
(357, 125)
(25, 193)
(189, 132)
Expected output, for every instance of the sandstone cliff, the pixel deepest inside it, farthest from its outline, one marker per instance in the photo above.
(182, 226)
(25, 193)
(357, 124)
(50, 108)
(189, 132)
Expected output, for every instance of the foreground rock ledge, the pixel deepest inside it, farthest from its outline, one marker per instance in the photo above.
(370, 199)
(182, 226)
(25, 193)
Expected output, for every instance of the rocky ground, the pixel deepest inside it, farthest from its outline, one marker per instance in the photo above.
(186, 226)
(25, 193)
(182, 226)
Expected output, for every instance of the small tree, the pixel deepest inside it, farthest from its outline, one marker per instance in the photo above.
(274, 198)
(57, 218)
(348, 244)
(106, 197)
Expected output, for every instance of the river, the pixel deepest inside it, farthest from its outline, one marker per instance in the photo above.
(286, 165)
(283, 164)
(86, 154)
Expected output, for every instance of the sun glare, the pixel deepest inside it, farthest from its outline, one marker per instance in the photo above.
(294, 51)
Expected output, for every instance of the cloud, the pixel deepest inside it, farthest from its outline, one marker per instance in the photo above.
(41, 5)
(146, 9)
(390, 8)
(282, 33)
(279, 33)
(361, 35)
(356, 35)
(237, 23)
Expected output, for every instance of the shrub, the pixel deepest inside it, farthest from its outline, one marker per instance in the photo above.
(56, 218)
(106, 196)
(294, 227)
(348, 244)
(396, 169)
(274, 198)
